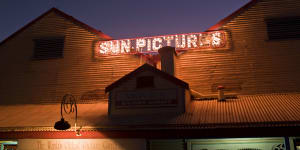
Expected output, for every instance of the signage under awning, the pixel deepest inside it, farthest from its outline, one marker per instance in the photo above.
(201, 40)
(82, 144)
(147, 99)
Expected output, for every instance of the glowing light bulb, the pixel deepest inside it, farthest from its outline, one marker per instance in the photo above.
(177, 44)
(115, 47)
(140, 44)
(204, 40)
(216, 39)
(168, 39)
(125, 46)
(105, 47)
(200, 40)
(149, 44)
(192, 40)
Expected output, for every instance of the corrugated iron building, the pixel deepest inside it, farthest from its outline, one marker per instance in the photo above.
(258, 68)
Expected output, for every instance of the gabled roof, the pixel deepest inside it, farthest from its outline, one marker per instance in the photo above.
(233, 15)
(148, 68)
(64, 15)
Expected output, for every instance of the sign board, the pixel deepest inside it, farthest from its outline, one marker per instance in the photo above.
(82, 144)
(238, 144)
(147, 98)
(202, 40)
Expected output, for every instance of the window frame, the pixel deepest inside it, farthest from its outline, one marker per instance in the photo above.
(52, 42)
(281, 28)
(145, 82)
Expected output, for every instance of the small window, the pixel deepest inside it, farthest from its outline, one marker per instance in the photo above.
(283, 28)
(145, 82)
(8, 145)
(297, 143)
(48, 48)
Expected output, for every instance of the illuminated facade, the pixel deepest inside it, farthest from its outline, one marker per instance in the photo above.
(235, 86)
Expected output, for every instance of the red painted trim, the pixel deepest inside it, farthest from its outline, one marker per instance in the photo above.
(149, 68)
(157, 134)
(232, 16)
(68, 17)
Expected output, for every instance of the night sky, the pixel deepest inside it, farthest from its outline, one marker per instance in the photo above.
(123, 18)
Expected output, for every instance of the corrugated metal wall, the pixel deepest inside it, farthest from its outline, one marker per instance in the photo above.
(33, 81)
(252, 65)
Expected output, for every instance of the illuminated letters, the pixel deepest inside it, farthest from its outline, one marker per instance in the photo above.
(216, 39)
(125, 47)
(168, 39)
(204, 40)
(140, 43)
(149, 44)
(178, 45)
(104, 47)
(156, 40)
(115, 47)
(191, 40)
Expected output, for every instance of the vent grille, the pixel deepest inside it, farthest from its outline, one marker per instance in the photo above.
(283, 28)
(48, 48)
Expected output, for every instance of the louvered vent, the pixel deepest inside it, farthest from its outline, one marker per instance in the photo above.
(283, 28)
(48, 48)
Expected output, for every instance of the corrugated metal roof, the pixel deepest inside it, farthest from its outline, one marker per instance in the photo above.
(245, 111)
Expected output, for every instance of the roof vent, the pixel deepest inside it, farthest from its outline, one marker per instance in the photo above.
(221, 96)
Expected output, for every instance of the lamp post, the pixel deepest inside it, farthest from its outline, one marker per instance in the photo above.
(68, 105)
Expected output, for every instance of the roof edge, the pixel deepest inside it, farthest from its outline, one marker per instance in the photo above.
(57, 11)
(76, 21)
(151, 68)
(232, 15)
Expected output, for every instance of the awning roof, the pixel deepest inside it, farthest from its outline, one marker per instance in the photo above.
(245, 111)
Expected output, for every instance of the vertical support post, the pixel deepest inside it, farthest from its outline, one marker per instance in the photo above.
(287, 143)
(148, 144)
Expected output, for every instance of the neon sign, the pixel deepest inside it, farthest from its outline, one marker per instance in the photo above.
(202, 40)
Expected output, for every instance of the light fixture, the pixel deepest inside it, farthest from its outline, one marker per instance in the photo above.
(62, 125)
(68, 104)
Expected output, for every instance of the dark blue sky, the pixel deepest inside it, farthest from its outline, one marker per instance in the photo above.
(123, 18)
